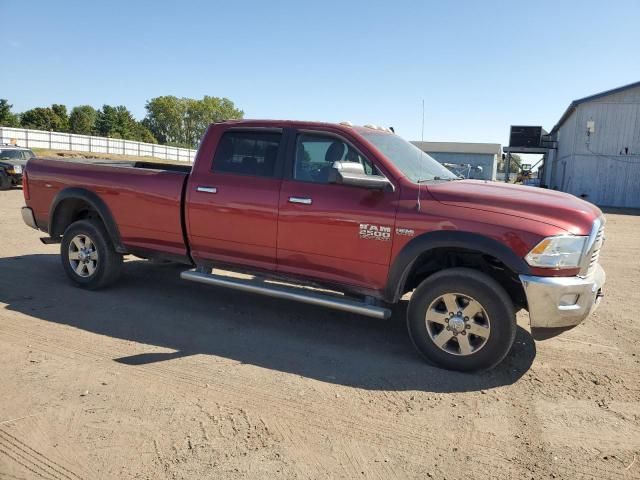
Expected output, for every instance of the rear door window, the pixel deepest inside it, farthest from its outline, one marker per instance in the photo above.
(248, 153)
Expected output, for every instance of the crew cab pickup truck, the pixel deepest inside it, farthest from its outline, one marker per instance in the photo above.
(357, 211)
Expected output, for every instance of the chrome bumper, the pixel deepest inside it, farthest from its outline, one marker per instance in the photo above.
(28, 218)
(562, 301)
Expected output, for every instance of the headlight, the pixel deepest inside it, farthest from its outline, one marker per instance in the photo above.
(557, 252)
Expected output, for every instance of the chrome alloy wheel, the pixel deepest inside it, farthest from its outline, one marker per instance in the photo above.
(458, 324)
(83, 255)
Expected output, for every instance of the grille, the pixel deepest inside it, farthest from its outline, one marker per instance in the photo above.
(595, 251)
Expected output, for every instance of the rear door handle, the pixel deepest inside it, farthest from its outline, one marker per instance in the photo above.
(207, 189)
(303, 200)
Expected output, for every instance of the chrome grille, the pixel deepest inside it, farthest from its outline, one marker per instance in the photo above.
(595, 251)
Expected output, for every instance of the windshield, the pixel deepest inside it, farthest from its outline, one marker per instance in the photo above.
(11, 154)
(413, 162)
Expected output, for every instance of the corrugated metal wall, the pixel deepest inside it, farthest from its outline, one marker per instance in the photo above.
(603, 168)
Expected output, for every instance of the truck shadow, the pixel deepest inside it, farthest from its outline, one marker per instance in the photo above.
(151, 305)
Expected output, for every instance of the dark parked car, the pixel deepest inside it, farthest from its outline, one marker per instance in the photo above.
(13, 159)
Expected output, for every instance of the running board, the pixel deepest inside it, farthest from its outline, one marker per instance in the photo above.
(328, 301)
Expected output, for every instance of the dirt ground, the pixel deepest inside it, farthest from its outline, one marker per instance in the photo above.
(159, 378)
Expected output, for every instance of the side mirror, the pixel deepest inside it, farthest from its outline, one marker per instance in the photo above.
(352, 173)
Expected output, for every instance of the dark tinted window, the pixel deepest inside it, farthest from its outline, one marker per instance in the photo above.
(315, 155)
(247, 153)
(11, 154)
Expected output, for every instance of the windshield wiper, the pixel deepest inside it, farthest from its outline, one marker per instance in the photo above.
(425, 180)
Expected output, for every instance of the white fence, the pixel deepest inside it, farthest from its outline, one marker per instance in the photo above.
(84, 143)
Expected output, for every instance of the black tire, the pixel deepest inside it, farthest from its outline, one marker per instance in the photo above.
(108, 263)
(496, 312)
(5, 182)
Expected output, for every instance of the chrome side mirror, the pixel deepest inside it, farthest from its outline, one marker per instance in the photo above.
(352, 173)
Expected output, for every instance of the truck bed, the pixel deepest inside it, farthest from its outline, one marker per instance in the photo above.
(143, 197)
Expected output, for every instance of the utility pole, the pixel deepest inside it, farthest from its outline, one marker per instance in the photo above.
(507, 168)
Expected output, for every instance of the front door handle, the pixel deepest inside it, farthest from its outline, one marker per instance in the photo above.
(207, 189)
(302, 200)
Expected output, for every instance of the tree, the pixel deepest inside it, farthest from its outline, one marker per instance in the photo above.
(61, 118)
(7, 118)
(46, 118)
(143, 134)
(164, 118)
(182, 121)
(516, 162)
(39, 118)
(82, 120)
(118, 122)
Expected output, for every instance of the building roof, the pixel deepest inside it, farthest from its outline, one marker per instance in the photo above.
(572, 106)
(459, 147)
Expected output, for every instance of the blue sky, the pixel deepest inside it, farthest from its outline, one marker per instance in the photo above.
(480, 66)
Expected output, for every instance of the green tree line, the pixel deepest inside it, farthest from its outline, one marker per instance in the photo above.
(169, 120)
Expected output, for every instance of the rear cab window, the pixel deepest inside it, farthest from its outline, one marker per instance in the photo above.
(247, 153)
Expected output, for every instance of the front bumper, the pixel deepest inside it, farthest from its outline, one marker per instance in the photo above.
(561, 302)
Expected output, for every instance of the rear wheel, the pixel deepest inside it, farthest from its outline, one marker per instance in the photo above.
(88, 257)
(462, 319)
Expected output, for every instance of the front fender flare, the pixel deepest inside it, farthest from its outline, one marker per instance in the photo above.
(411, 252)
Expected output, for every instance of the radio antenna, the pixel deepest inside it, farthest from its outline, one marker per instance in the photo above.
(422, 135)
(422, 140)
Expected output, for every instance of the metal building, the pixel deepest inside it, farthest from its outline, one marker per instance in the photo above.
(457, 155)
(598, 149)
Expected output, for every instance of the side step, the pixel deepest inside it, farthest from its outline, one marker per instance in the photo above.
(328, 301)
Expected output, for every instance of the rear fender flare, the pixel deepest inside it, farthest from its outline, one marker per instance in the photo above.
(411, 252)
(96, 203)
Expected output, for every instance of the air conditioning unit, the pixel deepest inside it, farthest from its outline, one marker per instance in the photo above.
(526, 136)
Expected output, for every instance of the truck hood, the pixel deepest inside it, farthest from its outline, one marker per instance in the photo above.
(559, 209)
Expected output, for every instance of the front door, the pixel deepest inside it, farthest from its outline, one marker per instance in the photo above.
(335, 233)
(233, 202)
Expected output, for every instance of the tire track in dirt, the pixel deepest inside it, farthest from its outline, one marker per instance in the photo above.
(33, 460)
(292, 410)
(382, 433)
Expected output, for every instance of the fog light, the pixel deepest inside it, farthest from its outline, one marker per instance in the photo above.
(569, 299)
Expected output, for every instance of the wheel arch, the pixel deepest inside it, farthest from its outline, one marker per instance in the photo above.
(74, 203)
(439, 248)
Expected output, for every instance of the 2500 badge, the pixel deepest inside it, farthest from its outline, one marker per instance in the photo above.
(375, 232)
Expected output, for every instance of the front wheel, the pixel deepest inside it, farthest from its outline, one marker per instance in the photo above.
(5, 182)
(462, 319)
(88, 256)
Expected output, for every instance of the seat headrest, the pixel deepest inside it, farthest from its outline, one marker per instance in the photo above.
(335, 152)
(225, 149)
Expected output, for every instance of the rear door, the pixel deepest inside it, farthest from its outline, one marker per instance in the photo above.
(335, 233)
(232, 202)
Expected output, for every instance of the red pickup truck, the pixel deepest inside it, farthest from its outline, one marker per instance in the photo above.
(358, 211)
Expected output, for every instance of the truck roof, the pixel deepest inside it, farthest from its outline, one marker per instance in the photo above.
(368, 128)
